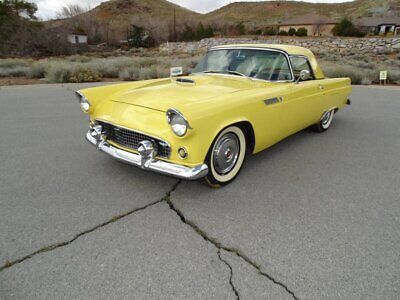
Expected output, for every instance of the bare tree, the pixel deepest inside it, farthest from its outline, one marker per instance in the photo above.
(318, 28)
(72, 10)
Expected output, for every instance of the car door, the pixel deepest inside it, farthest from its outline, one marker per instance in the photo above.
(306, 98)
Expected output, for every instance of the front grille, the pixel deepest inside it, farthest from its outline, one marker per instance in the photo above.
(130, 139)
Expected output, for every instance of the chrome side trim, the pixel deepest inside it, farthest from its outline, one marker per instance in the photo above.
(155, 165)
(273, 100)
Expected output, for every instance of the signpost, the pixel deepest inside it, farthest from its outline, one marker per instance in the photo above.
(383, 77)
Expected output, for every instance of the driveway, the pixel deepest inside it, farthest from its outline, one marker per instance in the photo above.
(316, 216)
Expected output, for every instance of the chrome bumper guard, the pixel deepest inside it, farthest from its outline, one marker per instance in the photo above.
(147, 162)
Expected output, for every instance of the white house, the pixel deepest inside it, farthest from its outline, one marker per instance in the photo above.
(77, 38)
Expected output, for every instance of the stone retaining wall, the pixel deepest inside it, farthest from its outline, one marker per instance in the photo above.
(340, 45)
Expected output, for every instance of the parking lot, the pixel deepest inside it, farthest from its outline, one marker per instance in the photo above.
(316, 216)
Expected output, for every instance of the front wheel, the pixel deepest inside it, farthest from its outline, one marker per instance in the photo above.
(225, 157)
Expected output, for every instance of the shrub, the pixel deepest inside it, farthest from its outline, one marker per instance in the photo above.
(14, 62)
(79, 58)
(17, 71)
(188, 34)
(346, 28)
(270, 31)
(147, 73)
(394, 76)
(59, 72)
(128, 74)
(137, 37)
(292, 32)
(357, 75)
(85, 75)
(162, 72)
(301, 32)
(283, 33)
(39, 69)
(240, 28)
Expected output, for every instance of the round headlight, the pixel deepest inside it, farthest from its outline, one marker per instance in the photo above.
(84, 103)
(177, 121)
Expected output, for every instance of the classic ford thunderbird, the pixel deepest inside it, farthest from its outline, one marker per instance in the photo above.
(240, 99)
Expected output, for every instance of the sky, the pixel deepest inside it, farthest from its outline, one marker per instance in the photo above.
(49, 8)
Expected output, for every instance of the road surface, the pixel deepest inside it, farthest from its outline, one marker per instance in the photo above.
(316, 216)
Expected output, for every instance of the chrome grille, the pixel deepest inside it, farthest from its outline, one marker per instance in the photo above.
(130, 139)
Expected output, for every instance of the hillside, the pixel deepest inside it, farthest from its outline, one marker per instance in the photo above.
(271, 12)
(110, 20)
(124, 10)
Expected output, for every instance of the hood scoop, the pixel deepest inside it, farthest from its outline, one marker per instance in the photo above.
(185, 81)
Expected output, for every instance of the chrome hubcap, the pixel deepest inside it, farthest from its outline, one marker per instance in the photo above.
(326, 118)
(226, 153)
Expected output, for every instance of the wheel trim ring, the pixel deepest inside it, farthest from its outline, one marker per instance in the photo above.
(226, 153)
(326, 119)
(225, 178)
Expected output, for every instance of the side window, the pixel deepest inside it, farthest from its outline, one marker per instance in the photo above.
(299, 64)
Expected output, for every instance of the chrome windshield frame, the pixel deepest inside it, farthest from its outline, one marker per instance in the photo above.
(287, 56)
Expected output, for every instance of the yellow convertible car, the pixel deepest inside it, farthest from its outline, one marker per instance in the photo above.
(240, 99)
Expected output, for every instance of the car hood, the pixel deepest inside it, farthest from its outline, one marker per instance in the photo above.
(183, 91)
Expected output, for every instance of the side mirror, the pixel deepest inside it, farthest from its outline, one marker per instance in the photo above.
(304, 75)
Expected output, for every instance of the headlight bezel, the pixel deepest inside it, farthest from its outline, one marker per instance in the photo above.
(83, 102)
(178, 123)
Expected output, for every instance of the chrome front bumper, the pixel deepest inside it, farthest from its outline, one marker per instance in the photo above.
(146, 162)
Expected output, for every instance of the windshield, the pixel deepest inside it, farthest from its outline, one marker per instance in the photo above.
(261, 64)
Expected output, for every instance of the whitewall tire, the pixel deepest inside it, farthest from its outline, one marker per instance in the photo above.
(325, 121)
(226, 156)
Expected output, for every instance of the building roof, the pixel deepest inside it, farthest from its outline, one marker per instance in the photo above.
(309, 19)
(375, 21)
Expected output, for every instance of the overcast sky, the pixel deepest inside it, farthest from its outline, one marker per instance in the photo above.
(48, 8)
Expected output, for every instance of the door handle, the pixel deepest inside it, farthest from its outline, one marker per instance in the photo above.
(321, 87)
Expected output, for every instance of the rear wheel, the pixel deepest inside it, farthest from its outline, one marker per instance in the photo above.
(325, 122)
(225, 157)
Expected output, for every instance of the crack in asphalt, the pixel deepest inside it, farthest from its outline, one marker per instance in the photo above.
(231, 276)
(202, 233)
(219, 246)
(52, 247)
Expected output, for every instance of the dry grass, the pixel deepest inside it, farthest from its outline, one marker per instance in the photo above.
(362, 69)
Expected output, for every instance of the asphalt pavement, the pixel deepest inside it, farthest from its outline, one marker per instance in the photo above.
(316, 216)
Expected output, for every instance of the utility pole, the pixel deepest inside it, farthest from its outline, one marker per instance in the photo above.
(174, 24)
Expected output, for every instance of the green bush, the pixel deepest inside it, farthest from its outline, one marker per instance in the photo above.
(137, 37)
(346, 28)
(270, 31)
(292, 31)
(301, 32)
(283, 33)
